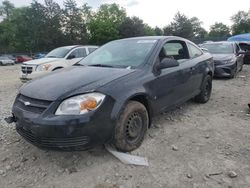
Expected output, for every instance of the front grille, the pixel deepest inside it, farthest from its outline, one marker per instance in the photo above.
(52, 142)
(27, 69)
(31, 105)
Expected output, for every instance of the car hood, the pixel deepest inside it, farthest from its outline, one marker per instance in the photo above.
(222, 57)
(59, 84)
(41, 61)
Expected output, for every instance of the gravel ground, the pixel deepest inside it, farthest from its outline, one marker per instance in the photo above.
(192, 146)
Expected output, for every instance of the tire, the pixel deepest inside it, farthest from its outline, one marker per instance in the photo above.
(1, 63)
(206, 90)
(131, 127)
(234, 73)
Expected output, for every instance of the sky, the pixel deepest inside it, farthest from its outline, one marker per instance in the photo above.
(161, 12)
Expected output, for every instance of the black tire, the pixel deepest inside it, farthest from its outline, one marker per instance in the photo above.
(206, 90)
(131, 127)
(1, 63)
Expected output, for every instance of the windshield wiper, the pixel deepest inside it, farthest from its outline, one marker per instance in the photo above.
(100, 65)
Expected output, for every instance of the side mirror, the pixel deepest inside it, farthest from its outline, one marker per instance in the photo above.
(167, 63)
(71, 57)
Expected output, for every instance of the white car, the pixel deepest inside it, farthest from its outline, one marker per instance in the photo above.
(5, 61)
(56, 59)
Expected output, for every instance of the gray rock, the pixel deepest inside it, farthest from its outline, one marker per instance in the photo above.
(71, 170)
(174, 148)
(232, 174)
(24, 159)
(34, 158)
(207, 136)
(189, 176)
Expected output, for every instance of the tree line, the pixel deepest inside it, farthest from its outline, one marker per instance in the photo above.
(44, 26)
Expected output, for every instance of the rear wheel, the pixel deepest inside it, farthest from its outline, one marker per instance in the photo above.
(131, 127)
(234, 73)
(206, 90)
(1, 63)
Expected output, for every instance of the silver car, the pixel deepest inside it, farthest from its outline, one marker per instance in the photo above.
(5, 61)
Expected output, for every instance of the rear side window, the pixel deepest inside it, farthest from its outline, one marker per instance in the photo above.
(194, 51)
(91, 50)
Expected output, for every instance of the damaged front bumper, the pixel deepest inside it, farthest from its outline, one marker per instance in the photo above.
(64, 132)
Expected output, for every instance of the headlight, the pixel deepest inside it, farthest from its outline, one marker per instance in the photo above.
(43, 67)
(80, 104)
(228, 61)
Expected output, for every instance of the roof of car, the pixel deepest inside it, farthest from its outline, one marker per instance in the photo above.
(76, 46)
(220, 42)
(152, 38)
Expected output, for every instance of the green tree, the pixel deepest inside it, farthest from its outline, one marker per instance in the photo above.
(158, 31)
(6, 8)
(105, 23)
(185, 27)
(241, 22)
(131, 27)
(74, 24)
(219, 30)
(149, 31)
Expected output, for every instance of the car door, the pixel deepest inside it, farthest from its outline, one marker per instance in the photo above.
(170, 85)
(240, 57)
(76, 55)
(195, 64)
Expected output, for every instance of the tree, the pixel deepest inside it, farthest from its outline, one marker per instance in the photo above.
(104, 25)
(241, 22)
(6, 9)
(74, 24)
(185, 27)
(149, 31)
(219, 30)
(131, 27)
(158, 31)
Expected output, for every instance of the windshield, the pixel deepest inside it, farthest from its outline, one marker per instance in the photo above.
(219, 48)
(59, 52)
(121, 53)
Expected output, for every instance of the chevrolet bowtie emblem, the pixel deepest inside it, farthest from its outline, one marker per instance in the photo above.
(26, 103)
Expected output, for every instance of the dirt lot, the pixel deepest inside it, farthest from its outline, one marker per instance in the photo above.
(192, 146)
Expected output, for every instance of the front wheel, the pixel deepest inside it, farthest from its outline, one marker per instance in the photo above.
(206, 90)
(131, 127)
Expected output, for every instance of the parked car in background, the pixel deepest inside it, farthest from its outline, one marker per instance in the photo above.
(228, 58)
(22, 58)
(39, 55)
(246, 47)
(6, 61)
(12, 57)
(56, 59)
(112, 94)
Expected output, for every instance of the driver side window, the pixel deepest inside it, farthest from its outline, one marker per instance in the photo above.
(174, 49)
(78, 53)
